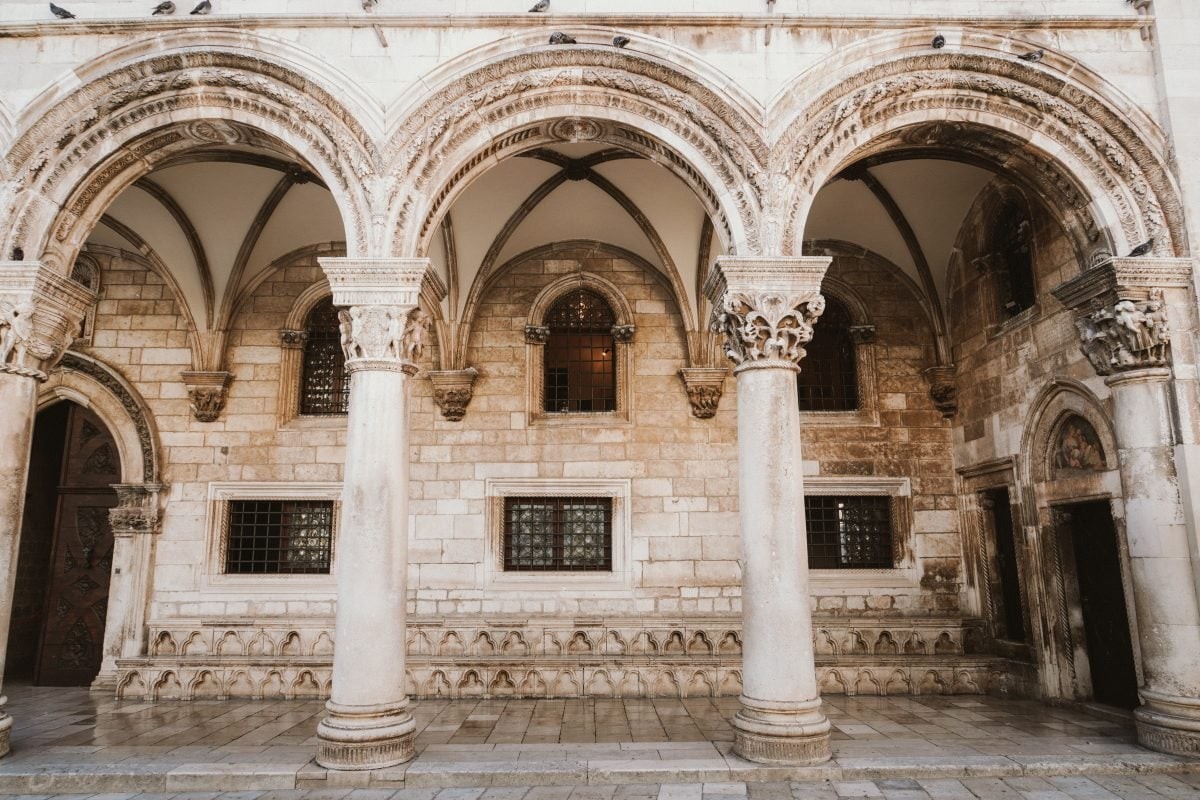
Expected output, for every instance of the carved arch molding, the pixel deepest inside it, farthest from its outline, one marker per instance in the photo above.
(392, 195)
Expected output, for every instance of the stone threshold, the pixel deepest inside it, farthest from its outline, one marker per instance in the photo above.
(486, 765)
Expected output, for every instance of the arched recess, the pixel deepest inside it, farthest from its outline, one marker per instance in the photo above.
(1057, 400)
(1066, 132)
(94, 385)
(482, 109)
(76, 152)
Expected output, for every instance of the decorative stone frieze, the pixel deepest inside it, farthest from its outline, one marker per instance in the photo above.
(623, 333)
(704, 386)
(452, 391)
(943, 389)
(764, 312)
(40, 315)
(207, 392)
(293, 339)
(537, 334)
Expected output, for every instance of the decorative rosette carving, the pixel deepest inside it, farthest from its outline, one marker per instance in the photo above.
(766, 326)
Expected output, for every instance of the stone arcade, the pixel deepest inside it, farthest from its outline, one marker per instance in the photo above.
(786, 351)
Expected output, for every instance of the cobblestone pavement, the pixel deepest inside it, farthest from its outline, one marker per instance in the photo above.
(1074, 787)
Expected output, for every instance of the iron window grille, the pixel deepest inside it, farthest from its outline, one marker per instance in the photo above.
(580, 355)
(849, 531)
(565, 534)
(828, 379)
(279, 537)
(324, 384)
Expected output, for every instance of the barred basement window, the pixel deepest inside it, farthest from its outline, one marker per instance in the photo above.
(828, 379)
(324, 384)
(849, 531)
(580, 355)
(567, 534)
(278, 537)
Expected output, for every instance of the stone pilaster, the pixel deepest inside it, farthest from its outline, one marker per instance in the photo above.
(1125, 312)
(134, 522)
(452, 391)
(764, 310)
(368, 724)
(40, 315)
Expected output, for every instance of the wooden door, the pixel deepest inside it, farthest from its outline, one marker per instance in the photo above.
(72, 632)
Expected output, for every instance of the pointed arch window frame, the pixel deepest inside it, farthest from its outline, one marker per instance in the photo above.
(292, 339)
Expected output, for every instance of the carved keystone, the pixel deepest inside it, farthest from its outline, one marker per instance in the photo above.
(704, 387)
(452, 391)
(208, 392)
(40, 315)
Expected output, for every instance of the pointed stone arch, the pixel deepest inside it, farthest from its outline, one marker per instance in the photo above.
(486, 110)
(1098, 160)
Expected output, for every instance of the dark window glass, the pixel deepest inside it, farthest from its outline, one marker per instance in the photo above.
(324, 384)
(828, 379)
(1011, 617)
(850, 532)
(558, 533)
(1012, 233)
(580, 373)
(279, 536)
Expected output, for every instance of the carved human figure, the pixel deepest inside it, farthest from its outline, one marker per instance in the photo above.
(16, 329)
(415, 334)
(1157, 326)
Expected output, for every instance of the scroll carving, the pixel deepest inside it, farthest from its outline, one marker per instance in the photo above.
(1125, 335)
(766, 326)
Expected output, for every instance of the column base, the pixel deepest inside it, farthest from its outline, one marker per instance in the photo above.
(365, 737)
(789, 734)
(6, 723)
(1168, 724)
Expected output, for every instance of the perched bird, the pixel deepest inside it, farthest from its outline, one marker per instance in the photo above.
(18, 254)
(369, 5)
(939, 42)
(1032, 57)
(163, 8)
(558, 37)
(1142, 249)
(61, 13)
(540, 6)
(203, 8)
(620, 41)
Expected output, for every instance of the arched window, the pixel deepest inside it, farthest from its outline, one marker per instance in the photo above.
(828, 379)
(324, 385)
(1012, 250)
(580, 355)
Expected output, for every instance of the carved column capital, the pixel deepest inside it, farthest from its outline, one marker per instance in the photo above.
(943, 389)
(765, 308)
(136, 511)
(452, 391)
(40, 315)
(704, 386)
(382, 326)
(1121, 311)
(207, 392)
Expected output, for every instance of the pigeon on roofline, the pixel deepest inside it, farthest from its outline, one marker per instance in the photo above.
(1142, 249)
(202, 9)
(540, 6)
(61, 13)
(558, 37)
(620, 41)
(163, 8)
(939, 42)
(1032, 57)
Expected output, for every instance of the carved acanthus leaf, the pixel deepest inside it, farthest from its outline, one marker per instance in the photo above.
(766, 326)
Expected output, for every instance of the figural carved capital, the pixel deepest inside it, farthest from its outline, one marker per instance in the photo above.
(40, 315)
(136, 511)
(765, 308)
(452, 391)
(207, 392)
(1121, 311)
(704, 386)
(382, 326)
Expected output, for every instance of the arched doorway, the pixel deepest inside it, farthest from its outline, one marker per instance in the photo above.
(63, 569)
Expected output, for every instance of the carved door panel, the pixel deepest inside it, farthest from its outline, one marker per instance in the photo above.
(72, 632)
(1102, 600)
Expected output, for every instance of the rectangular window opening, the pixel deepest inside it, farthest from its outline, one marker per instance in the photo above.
(849, 531)
(563, 534)
(279, 537)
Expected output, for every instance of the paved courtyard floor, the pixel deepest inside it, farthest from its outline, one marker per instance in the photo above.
(67, 741)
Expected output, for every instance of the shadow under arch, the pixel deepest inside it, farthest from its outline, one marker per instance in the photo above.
(94, 385)
(483, 112)
(1071, 135)
(85, 147)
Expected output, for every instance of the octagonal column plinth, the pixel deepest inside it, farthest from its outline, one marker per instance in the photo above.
(383, 332)
(40, 313)
(765, 310)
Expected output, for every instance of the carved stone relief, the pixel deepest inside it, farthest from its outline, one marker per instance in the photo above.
(207, 392)
(452, 391)
(1125, 335)
(704, 386)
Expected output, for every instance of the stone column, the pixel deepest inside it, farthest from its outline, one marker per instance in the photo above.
(134, 523)
(40, 315)
(765, 309)
(1122, 318)
(383, 332)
